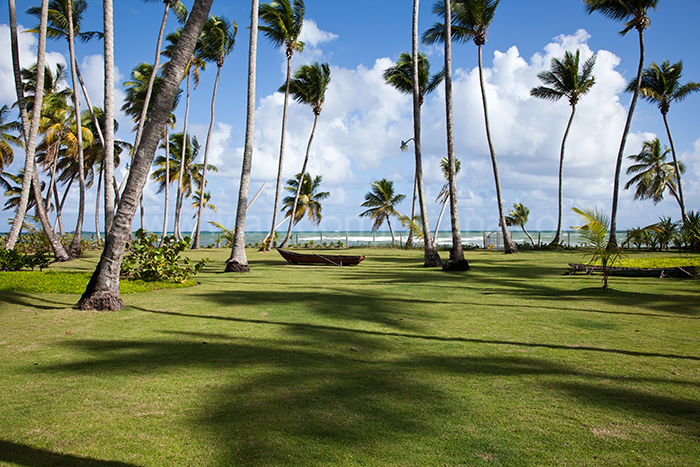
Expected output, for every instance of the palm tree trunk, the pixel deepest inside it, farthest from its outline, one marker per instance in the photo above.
(181, 174)
(456, 252)
(102, 292)
(200, 210)
(167, 188)
(108, 157)
(508, 244)
(431, 258)
(238, 261)
(409, 239)
(442, 211)
(612, 241)
(76, 246)
(278, 186)
(528, 235)
(97, 207)
(285, 243)
(557, 236)
(681, 202)
(393, 240)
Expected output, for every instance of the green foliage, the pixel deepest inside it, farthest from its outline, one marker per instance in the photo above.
(14, 260)
(148, 262)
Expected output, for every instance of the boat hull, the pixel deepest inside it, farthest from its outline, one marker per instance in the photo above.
(293, 257)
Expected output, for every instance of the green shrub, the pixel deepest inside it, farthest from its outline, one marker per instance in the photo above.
(148, 262)
(15, 259)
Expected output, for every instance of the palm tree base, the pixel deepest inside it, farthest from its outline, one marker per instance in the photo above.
(456, 265)
(100, 301)
(432, 260)
(235, 266)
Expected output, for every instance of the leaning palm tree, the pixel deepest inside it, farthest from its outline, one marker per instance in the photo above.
(634, 12)
(518, 216)
(382, 202)
(238, 262)
(216, 43)
(102, 292)
(653, 174)
(283, 22)
(308, 86)
(444, 196)
(566, 79)
(309, 201)
(661, 85)
(470, 22)
(400, 76)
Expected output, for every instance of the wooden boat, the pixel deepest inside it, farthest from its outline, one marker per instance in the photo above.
(681, 271)
(293, 257)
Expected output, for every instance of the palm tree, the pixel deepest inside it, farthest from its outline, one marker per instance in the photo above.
(400, 76)
(444, 196)
(471, 21)
(653, 174)
(594, 232)
(308, 86)
(238, 262)
(108, 159)
(518, 216)
(102, 292)
(661, 86)
(382, 202)
(215, 44)
(309, 201)
(565, 79)
(283, 22)
(634, 12)
(6, 138)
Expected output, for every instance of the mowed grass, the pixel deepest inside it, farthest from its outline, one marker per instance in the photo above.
(385, 363)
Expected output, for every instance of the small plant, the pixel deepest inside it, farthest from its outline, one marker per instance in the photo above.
(14, 260)
(147, 262)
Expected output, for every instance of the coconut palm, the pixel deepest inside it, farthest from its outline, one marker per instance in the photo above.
(382, 201)
(661, 85)
(470, 22)
(102, 292)
(518, 216)
(565, 79)
(594, 233)
(108, 158)
(309, 201)
(238, 262)
(215, 44)
(400, 76)
(654, 175)
(444, 196)
(634, 13)
(7, 140)
(283, 22)
(308, 86)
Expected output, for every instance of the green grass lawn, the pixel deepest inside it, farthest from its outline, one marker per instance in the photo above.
(385, 363)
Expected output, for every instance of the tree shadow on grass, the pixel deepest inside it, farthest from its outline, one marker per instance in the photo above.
(35, 300)
(21, 454)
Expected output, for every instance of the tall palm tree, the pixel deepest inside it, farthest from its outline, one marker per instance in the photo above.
(308, 86)
(654, 175)
(215, 44)
(661, 85)
(108, 160)
(634, 12)
(382, 201)
(238, 262)
(309, 201)
(565, 79)
(102, 292)
(470, 22)
(283, 22)
(400, 76)
(518, 216)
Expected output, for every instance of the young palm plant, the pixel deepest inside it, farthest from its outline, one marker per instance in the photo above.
(283, 21)
(634, 12)
(661, 85)
(308, 86)
(382, 202)
(565, 79)
(653, 174)
(595, 234)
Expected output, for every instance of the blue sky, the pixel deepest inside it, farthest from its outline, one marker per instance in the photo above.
(364, 120)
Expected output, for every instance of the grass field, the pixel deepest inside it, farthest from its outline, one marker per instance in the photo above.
(381, 364)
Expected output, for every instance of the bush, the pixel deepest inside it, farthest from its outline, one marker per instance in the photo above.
(14, 260)
(148, 262)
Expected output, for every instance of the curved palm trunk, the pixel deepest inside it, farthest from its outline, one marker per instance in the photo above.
(681, 202)
(200, 210)
(285, 243)
(180, 188)
(431, 258)
(97, 207)
(508, 244)
(75, 247)
(238, 261)
(442, 212)
(278, 186)
(456, 252)
(393, 239)
(167, 188)
(102, 292)
(557, 236)
(108, 157)
(612, 241)
(528, 235)
(409, 239)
